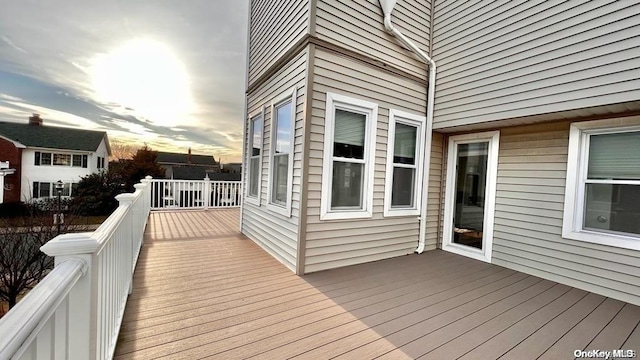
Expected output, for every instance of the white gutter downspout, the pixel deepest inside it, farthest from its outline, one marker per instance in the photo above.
(387, 7)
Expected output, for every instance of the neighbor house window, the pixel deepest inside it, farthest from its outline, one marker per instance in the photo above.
(255, 157)
(349, 158)
(77, 160)
(43, 190)
(404, 164)
(62, 159)
(602, 199)
(281, 154)
(56, 159)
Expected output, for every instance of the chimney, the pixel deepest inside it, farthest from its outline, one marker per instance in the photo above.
(35, 120)
(189, 157)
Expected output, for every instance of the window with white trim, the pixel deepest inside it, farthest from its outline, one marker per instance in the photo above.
(256, 125)
(281, 154)
(42, 190)
(602, 199)
(404, 164)
(349, 158)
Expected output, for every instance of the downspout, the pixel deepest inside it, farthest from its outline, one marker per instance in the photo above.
(387, 7)
(245, 120)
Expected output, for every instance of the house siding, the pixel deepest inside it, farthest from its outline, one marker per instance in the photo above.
(358, 25)
(434, 215)
(529, 212)
(502, 60)
(274, 232)
(336, 243)
(48, 173)
(275, 27)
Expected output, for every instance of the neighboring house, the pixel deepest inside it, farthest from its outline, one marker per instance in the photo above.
(177, 164)
(41, 155)
(232, 167)
(530, 159)
(199, 173)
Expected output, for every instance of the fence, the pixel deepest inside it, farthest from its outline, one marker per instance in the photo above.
(194, 194)
(75, 312)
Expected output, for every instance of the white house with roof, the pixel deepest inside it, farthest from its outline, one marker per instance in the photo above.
(41, 155)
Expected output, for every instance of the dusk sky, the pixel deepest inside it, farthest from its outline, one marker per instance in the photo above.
(167, 73)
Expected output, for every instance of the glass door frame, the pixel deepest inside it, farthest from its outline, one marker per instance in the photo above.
(484, 254)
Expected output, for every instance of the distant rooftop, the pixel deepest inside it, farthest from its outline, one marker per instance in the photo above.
(169, 158)
(199, 173)
(34, 134)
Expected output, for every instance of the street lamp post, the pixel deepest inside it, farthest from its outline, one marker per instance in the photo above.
(59, 188)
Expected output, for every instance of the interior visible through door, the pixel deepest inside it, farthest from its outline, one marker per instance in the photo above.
(471, 185)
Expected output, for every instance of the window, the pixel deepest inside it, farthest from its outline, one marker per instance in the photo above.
(281, 154)
(62, 159)
(77, 160)
(602, 194)
(255, 157)
(47, 159)
(48, 189)
(100, 162)
(349, 158)
(404, 164)
(42, 158)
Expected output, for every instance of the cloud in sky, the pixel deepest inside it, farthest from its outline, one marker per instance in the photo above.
(167, 73)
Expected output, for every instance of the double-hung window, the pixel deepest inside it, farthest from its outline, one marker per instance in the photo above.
(281, 153)
(602, 194)
(256, 124)
(349, 158)
(404, 164)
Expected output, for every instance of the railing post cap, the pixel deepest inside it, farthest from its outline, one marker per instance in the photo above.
(125, 197)
(148, 177)
(70, 244)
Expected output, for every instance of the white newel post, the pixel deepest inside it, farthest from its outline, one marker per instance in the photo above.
(207, 192)
(148, 195)
(127, 200)
(82, 314)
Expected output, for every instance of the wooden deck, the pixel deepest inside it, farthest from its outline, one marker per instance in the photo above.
(201, 290)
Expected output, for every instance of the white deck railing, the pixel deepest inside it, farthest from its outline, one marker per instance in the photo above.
(194, 194)
(75, 312)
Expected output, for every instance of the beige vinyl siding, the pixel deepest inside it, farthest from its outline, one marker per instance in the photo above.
(435, 182)
(336, 243)
(358, 25)
(500, 59)
(276, 233)
(276, 25)
(528, 218)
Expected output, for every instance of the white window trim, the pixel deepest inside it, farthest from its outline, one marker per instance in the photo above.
(370, 109)
(285, 210)
(575, 185)
(397, 116)
(255, 200)
(485, 253)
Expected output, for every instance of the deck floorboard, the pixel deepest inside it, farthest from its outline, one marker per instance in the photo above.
(202, 290)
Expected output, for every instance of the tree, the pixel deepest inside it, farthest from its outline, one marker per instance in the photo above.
(143, 163)
(122, 151)
(96, 193)
(22, 264)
